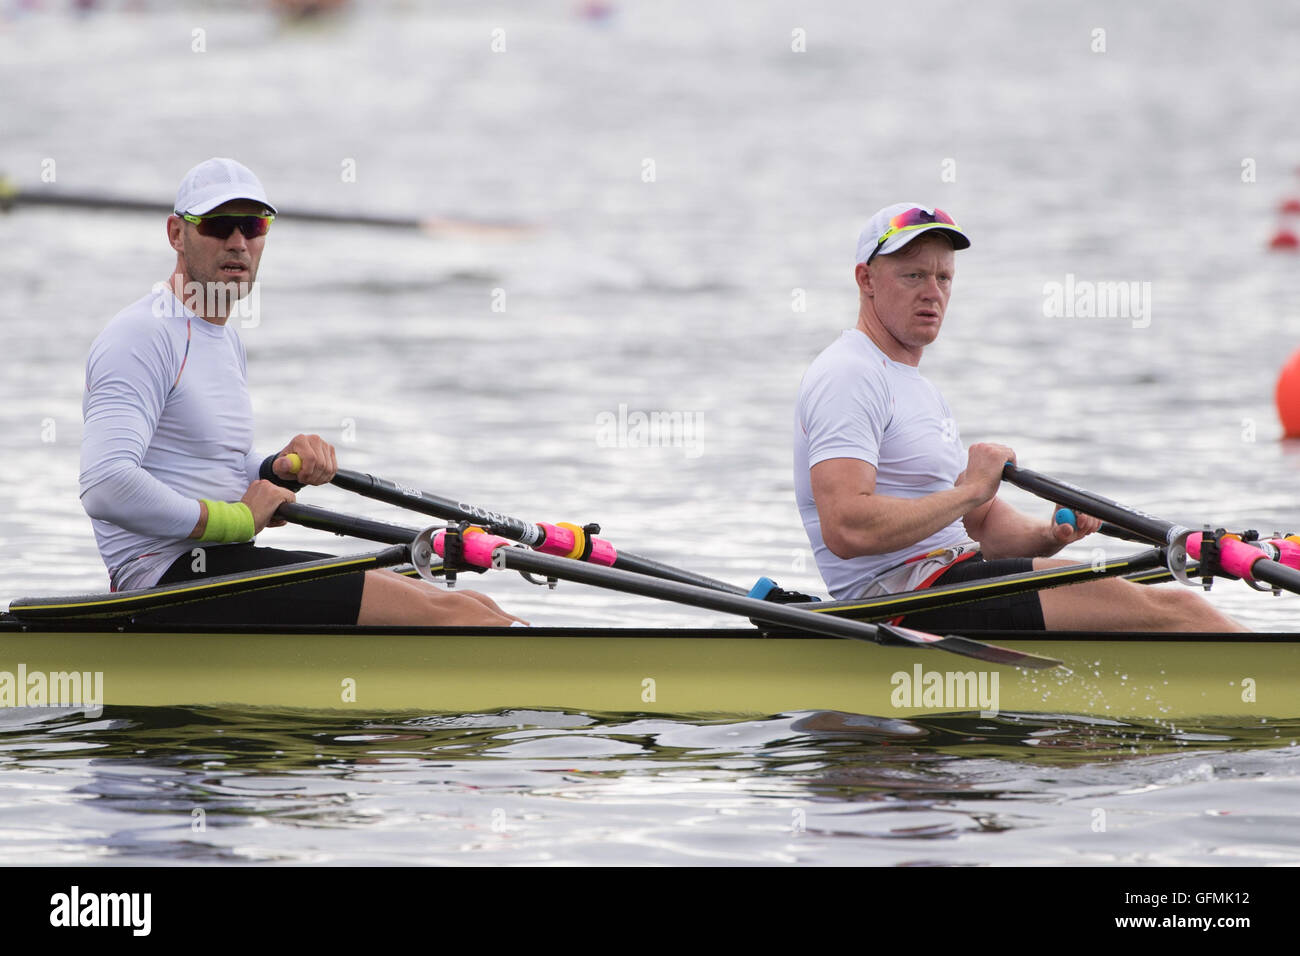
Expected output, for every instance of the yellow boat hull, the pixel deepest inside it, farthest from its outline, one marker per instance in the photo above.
(732, 672)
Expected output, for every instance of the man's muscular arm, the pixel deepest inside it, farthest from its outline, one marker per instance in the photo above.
(856, 521)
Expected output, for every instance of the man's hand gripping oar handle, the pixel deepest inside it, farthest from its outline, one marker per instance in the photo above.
(1156, 530)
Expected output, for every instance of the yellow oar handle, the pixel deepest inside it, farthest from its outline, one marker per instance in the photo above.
(295, 462)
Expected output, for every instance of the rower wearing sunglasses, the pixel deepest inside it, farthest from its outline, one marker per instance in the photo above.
(169, 475)
(890, 499)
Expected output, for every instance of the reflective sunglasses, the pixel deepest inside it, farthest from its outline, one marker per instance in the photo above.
(913, 218)
(220, 226)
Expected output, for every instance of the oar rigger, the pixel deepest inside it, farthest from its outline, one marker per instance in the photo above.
(1275, 562)
(1247, 557)
(453, 551)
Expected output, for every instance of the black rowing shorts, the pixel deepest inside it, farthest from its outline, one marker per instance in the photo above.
(1011, 612)
(332, 600)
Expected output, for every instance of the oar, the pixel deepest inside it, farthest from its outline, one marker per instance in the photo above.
(11, 196)
(484, 551)
(555, 539)
(309, 516)
(1284, 549)
(1067, 516)
(1235, 557)
(879, 608)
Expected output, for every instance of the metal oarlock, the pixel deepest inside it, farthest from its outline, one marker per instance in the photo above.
(1271, 551)
(1269, 565)
(1209, 562)
(451, 547)
(1176, 554)
(1277, 543)
(462, 547)
(422, 554)
(1210, 545)
(533, 579)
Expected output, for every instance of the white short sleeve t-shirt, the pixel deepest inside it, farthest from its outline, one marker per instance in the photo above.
(856, 402)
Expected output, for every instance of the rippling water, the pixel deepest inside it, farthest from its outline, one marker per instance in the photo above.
(552, 787)
(678, 295)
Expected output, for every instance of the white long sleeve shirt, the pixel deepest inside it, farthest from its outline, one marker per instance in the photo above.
(168, 420)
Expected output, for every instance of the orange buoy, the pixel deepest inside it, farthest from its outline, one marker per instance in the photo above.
(1287, 396)
(1284, 239)
(1290, 206)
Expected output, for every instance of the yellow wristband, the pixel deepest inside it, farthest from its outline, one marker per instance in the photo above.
(228, 522)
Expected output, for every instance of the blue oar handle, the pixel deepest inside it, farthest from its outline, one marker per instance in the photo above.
(1067, 516)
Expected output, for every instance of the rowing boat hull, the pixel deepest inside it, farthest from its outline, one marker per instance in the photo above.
(1162, 680)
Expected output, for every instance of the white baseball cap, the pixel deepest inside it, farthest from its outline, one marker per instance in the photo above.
(215, 181)
(895, 226)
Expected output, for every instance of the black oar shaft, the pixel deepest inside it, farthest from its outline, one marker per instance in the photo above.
(505, 525)
(381, 489)
(880, 608)
(640, 564)
(1156, 530)
(61, 199)
(38, 197)
(310, 516)
(1149, 526)
(521, 559)
(518, 558)
(1115, 531)
(1278, 575)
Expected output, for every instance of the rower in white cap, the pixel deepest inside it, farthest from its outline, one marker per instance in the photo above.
(168, 471)
(890, 499)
